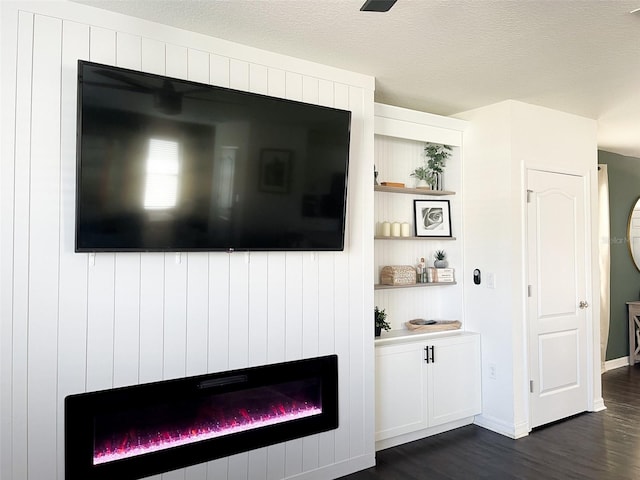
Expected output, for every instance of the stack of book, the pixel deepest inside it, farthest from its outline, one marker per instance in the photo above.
(441, 275)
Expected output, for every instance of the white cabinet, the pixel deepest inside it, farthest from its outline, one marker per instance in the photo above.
(454, 378)
(426, 385)
(400, 389)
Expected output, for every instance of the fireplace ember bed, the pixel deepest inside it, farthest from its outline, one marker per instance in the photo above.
(142, 430)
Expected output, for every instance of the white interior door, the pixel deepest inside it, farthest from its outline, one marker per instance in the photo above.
(557, 306)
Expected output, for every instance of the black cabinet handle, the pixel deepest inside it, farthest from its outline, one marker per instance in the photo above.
(430, 357)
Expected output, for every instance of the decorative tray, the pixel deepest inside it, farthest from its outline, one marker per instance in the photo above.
(420, 325)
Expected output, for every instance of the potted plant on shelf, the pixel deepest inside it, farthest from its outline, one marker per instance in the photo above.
(440, 259)
(424, 176)
(380, 318)
(436, 155)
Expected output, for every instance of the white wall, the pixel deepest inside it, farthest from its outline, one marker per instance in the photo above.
(71, 324)
(488, 187)
(501, 143)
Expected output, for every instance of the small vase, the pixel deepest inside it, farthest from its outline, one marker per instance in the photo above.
(439, 181)
(422, 184)
(378, 331)
(441, 263)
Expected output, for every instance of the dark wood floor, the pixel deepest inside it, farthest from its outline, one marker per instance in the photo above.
(599, 446)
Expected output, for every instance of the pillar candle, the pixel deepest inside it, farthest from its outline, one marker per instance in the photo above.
(385, 229)
(405, 230)
(395, 229)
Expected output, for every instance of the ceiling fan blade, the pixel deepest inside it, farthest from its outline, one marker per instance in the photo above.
(377, 5)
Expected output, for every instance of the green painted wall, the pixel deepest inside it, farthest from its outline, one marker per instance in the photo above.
(624, 190)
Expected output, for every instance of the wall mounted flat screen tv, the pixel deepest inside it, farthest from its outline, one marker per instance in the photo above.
(172, 165)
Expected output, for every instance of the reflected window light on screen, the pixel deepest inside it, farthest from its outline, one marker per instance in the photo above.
(161, 188)
(226, 177)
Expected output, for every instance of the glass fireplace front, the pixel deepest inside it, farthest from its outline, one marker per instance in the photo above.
(142, 430)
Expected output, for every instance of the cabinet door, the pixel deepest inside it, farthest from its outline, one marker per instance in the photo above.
(400, 390)
(453, 385)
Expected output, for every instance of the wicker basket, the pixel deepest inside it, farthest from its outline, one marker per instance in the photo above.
(398, 275)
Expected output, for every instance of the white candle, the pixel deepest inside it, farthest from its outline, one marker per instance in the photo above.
(385, 229)
(395, 229)
(405, 230)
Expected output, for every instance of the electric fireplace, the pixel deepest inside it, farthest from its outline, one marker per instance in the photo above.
(133, 432)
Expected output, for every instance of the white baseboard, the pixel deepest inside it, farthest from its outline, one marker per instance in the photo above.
(417, 435)
(521, 429)
(339, 469)
(507, 429)
(598, 405)
(615, 363)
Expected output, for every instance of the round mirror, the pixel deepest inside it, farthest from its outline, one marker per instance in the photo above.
(633, 233)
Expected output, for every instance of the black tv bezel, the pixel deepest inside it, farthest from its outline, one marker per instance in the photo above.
(229, 248)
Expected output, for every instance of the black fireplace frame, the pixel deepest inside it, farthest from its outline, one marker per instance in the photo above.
(80, 412)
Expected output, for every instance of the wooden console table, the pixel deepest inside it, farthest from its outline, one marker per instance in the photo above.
(634, 332)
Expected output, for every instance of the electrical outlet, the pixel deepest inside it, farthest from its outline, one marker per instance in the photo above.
(492, 371)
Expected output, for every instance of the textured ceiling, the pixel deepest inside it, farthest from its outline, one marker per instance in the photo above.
(447, 56)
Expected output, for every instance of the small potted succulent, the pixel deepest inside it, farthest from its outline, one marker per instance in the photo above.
(380, 319)
(440, 259)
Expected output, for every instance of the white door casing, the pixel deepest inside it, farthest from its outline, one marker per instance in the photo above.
(557, 255)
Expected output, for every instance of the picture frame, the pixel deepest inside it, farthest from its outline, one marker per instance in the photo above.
(275, 170)
(432, 218)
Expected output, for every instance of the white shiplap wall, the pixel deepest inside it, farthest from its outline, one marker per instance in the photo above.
(72, 324)
(395, 158)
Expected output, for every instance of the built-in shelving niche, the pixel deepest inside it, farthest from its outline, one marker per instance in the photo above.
(395, 159)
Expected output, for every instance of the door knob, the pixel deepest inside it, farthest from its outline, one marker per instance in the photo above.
(583, 304)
